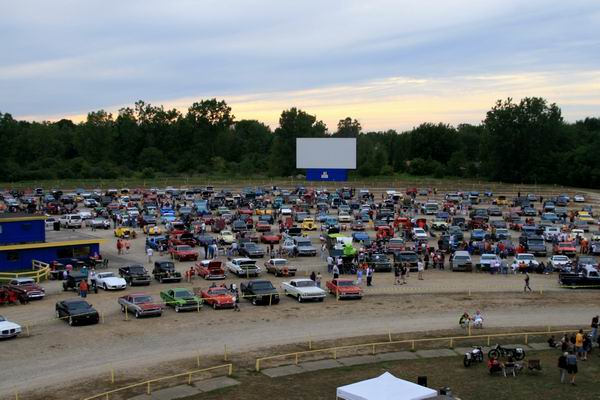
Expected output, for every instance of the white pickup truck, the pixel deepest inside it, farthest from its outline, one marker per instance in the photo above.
(303, 289)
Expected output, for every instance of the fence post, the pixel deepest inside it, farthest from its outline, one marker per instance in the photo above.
(469, 328)
(230, 371)
(27, 328)
(451, 342)
(102, 316)
(198, 306)
(296, 361)
(488, 341)
(270, 300)
(548, 328)
(309, 342)
(257, 365)
(225, 358)
(112, 374)
(373, 349)
(526, 338)
(197, 358)
(190, 378)
(126, 313)
(335, 354)
(413, 344)
(148, 389)
(390, 335)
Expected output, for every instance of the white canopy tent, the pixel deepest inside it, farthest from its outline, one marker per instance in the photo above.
(385, 387)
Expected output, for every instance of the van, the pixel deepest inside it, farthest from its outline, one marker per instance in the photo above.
(462, 261)
(70, 221)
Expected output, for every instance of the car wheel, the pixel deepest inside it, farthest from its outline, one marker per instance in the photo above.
(299, 298)
(254, 301)
(122, 308)
(160, 279)
(215, 305)
(177, 309)
(137, 314)
(71, 321)
(105, 287)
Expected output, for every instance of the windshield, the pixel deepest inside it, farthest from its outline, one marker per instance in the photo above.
(106, 275)
(561, 258)
(168, 266)
(183, 293)
(78, 305)
(303, 242)
(138, 269)
(279, 262)
(526, 257)
(461, 258)
(488, 257)
(345, 283)
(219, 292)
(408, 257)
(305, 283)
(262, 285)
(142, 299)
(184, 248)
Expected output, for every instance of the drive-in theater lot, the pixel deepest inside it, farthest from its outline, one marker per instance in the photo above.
(39, 361)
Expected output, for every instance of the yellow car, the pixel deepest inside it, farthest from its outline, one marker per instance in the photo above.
(152, 230)
(585, 216)
(264, 211)
(123, 232)
(226, 237)
(309, 224)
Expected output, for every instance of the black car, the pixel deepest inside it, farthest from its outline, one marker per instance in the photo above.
(204, 239)
(73, 280)
(77, 312)
(260, 291)
(409, 257)
(239, 226)
(135, 274)
(380, 262)
(251, 250)
(164, 271)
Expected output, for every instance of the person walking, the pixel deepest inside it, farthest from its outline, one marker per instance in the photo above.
(527, 287)
(149, 253)
(403, 271)
(562, 366)
(318, 279)
(336, 272)
(594, 326)
(83, 288)
(420, 269)
(572, 367)
(397, 274)
(359, 275)
(313, 276)
(119, 246)
(579, 349)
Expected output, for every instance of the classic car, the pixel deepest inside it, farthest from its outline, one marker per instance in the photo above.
(559, 262)
(384, 232)
(184, 238)
(135, 274)
(550, 216)
(303, 246)
(379, 261)
(239, 226)
(74, 279)
(26, 288)
(140, 305)
(358, 225)
(183, 253)
(395, 244)
(419, 234)
(262, 226)
(181, 299)
(579, 198)
(360, 236)
(344, 289)
(308, 224)
(218, 297)
(587, 277)
(155, 242)
(226, 237)
(123, 232)
(585, 216)
(439, 224)
(303, 289)
(108, 281)
(99, 223)
(280, 267)
(260, 291)
(210, 269)
(152, 230)
(270, 238)
(243, 267)
(77, 312)
(8, 329)
(251, 250)
(164, 271)
(565, 248)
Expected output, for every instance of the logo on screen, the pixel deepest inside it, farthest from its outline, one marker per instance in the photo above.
(324, 175)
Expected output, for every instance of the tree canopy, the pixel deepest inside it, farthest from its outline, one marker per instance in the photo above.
(521, 142)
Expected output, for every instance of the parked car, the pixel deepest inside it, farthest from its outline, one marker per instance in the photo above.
(71, 221)
(379, 262)
(587, 277)
(123, 232)
(303, 289)
(181, 299)
(526, 259)
(487, 262)
(108, 281)
(210, 269)
(251, 250)
(164, 271)
(419, 234)
(77, 312)
(565, 248)
(135, 274)
(140, 305)
(99, 223)
(226, 237)
(27, 289)
(218, 297)
(344, 289)
(243, 267)
(280, 267)
(461, 261)
(304, 247)
(558, 262)
(260, 291)
(270, 238)
(183, 252)
(8, 329)
(74, 279)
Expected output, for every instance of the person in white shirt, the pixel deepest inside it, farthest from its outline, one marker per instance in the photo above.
(420, 269)
(149, 253)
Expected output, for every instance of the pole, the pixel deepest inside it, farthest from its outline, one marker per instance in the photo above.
(112, 374)
(126, 313)
(197, 358)
(389, 335)
(225, 346)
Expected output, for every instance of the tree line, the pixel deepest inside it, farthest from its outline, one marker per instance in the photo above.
(521, 142)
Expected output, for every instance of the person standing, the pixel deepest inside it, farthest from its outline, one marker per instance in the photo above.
(318, 279)
(336, 272)
(579, 349)
(329, 264)
(594, 326)
(403, 271)
(149, 253)
(572, 367)
(527, 287)
(359, 275)
(562, 366)
(420, 269)
(119, 246)
(313, 276)
(396, 274)
(83, 288)
(369, 276)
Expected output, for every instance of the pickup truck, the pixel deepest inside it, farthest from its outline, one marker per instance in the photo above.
(303, 289)
(164, 271)
(210, 269)
(260, 291)
(588, 277)
(135, 274)
(27, 289)
(344, 289)
(181, 299)
(243, 267)
(140, 305)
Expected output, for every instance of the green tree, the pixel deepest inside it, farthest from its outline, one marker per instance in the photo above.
(348, 128)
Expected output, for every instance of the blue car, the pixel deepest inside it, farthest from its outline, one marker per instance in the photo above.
(478, 235)
(155, 241)
(551, 217)
(360, 236)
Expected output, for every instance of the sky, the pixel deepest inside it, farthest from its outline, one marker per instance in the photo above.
(389, 64)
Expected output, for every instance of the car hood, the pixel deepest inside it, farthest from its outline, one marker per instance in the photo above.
(148, 306)
(306, 247)
(265, 291)
(83, 312)
(348, 289)
(310, 290)
(222, 298)
(9, 325)
(113, 281)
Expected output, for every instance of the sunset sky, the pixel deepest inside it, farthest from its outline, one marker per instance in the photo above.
(389, 64)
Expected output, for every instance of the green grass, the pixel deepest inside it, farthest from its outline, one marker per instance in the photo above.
(468, 384)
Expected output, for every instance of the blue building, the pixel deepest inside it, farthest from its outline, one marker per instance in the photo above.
(23, 239)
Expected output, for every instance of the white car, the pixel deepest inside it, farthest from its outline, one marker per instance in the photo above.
(525, 258)
(133, 212)
(579, 198)
(85, 214)
(550, 232)
(345, 218)
(49, 222)
(286, 212)
(419, 234)
(558, 262)
(226, 237)
(91, 203)
(108, 281)
(8, 329)
(243, 267)
(70, 221)
(303, 289)
(487, 261)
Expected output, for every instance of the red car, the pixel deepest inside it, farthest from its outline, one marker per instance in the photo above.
(183, 238)
(384, 232)
(344, 289)
(140, 304)
(26, 288)
(183, 253)
(358, 226)
(270, 237)
(403, 222)
(218, 297)
(245, 211)
(210, 269)
(565, 248)
(262, 226)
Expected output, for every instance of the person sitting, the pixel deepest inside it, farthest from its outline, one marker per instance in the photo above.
(494, 365)
(552, 343)
(464, 320)
(478, 320)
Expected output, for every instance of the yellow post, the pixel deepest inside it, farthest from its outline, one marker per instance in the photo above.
(16, 395)
(258, 365)
(230, 372)
(296, 361)
(373, 349)
(102, 316)
(190, 378)
(488, 341)
(270, 300)
(126, 313)
(198, 306)
(389, 335)
(225, 358)
(337, 295)
(112, 374)
(548, 328)
(309, 342)
(197, 358)
(526, 338)
(148, 390)
(27, 329)
(451, 342)
(469, 329)
(413, 344)
(335, 354)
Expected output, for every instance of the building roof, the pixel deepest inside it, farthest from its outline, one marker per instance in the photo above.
(17, 217)
(29, 246)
